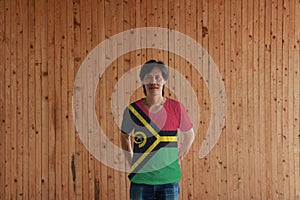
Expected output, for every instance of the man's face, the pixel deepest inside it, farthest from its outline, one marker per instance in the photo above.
(154, 82)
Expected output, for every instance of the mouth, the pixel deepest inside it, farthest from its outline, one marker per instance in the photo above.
(153, 86)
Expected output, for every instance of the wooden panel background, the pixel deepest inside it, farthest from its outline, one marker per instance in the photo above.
(255, 44)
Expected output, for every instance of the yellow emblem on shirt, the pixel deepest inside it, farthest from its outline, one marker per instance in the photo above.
(140, 138)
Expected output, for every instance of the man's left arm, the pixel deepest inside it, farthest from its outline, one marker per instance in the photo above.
(188, 138)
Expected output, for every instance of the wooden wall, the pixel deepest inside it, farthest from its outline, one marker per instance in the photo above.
(255, 44)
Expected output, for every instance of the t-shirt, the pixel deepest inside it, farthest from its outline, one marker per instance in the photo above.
(155, 158)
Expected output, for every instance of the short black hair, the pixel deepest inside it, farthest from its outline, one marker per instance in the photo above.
(148, 67)
(150, 64)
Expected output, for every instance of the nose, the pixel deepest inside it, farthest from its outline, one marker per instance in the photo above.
(153, 80)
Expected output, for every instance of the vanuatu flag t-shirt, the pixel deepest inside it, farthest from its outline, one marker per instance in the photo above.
(155, 158)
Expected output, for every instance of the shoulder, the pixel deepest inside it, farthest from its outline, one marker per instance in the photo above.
(174, 103)
(137, 102)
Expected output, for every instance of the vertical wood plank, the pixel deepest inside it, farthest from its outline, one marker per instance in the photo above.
(25, 89)
(31, 106)
(94, 178)
(64, 69)
(279, 98)
(70, 117)
(110, 7)
(164, 9)
(217, 59)
(220, 152)
(13, 109)
(273, 98)
(174, 61)
(239, 126)
(150, 21)
(38, 100)
(198, 167)
(234, 68)
(96, 39)
(142, 21)
(171, 20)
(286, 32)
(212, 49)
(20, 104)
(44, 102)
(84, 155)
(129, 60)
(205, 191)
(230, 125)
(103, 117)
(268, 132)
(222, 162)
(119, 71)
(179, 86)
(256, 89)
(58, 54)
(293, 103)
(90, 159)
(250, 93)
(7, 112)
(244, 75)
(229, 132)
(290, 118)
(261, 93)
(191, 32)
(138, 55)
(296, 103)
(160, 23)
(76, 163)
(102, 35)
(51, 95)
(2, 98)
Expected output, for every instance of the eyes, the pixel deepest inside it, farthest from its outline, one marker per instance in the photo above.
(153, 78)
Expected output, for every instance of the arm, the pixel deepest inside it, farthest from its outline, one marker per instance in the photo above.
(188, 138)
(126, 146)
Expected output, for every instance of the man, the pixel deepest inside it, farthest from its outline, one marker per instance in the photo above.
(154, 121)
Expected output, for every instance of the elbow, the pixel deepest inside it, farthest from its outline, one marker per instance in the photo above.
(190, 136)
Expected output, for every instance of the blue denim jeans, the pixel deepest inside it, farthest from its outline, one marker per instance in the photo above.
(149, 192)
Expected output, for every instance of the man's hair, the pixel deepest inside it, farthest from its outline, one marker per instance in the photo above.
(148, 67)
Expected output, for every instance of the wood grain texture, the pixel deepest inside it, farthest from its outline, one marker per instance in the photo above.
(254, 43)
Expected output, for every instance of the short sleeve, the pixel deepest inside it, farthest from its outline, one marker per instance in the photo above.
(185, 123)
(127, 123)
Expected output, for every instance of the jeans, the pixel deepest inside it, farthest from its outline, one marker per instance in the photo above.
(149, 192)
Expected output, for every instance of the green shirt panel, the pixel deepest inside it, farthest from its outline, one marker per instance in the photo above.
(162, 168)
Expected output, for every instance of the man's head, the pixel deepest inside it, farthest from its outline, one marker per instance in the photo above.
(154, 75)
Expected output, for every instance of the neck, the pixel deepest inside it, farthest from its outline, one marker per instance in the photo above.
(154, 100)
